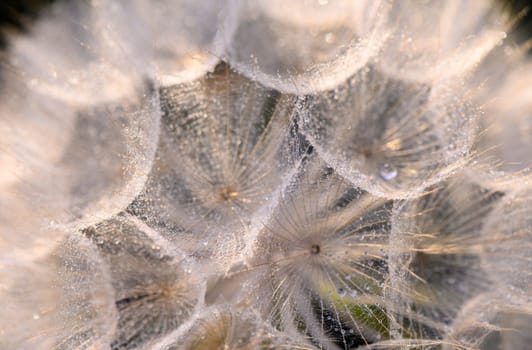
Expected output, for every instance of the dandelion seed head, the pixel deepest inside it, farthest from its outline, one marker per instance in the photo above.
(312, 174)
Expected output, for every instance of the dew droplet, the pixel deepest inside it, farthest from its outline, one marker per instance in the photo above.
(387, 171)
(353, 293)
(341, 292)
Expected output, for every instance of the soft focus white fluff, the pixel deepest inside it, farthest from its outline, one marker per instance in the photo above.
(310, 174)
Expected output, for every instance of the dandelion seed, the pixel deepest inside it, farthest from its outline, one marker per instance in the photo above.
(181, 49)
(508, 233)
(111, 155)
(306, 289)
(289, 47)
(97, 151)
(226, 145)
(156, 291)
(440, 235)
(73, 58)
(63, 300)
(435, 40)
(222, 328)
(507, 117)
(489, 322)
(390, 137)
(32, 138)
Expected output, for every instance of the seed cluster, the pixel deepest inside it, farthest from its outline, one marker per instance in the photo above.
(311, 174)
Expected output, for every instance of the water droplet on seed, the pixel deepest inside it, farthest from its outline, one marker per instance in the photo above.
(341, 292)
(387, 171)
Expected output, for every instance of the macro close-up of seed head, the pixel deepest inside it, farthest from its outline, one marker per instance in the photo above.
(259, 175)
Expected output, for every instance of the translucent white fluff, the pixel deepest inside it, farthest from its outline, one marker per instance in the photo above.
(439, 39)
(320, 262)
(155, 289)
(508, 236)
(69, 165)
(181, 40)
(306, 46)
(61, 301)
(73, 55)
(225, 147)
(389, 136)
(252, 175)
(220, 328)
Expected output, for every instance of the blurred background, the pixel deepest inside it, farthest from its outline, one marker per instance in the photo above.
(16, 15)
